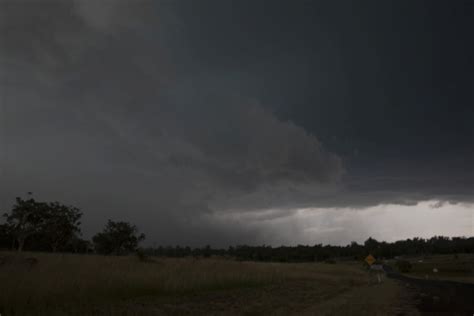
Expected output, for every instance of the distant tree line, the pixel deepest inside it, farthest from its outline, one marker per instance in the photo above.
(52, 226)
(319, 252)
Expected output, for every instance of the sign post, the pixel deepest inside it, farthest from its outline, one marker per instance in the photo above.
(377, 268)
(370, 260)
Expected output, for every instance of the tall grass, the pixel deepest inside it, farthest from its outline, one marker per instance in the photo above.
(66, 283)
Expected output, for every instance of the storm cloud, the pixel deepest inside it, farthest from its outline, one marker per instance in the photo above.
(212, 123)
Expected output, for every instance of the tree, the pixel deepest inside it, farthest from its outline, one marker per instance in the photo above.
(53, 225)
(117, 238)
(79, 245)
(371, 245)
(61, 224)
(6, 237)
(26, 218)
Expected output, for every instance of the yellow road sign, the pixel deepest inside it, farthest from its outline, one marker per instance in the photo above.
(370, 260)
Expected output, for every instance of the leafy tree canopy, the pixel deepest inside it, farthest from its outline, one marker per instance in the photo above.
(52, 224)
(117, 238)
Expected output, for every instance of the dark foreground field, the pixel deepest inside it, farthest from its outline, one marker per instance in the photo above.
(448, 291)
(95, 285)
(65, 284)
(438, 297)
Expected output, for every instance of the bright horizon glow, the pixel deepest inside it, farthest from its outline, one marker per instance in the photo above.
(340, 226)
(395, 222)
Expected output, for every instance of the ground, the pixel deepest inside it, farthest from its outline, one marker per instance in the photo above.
(441, 284)
(457, 267)
(65, 284)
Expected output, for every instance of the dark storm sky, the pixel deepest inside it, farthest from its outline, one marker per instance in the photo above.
(225, 122)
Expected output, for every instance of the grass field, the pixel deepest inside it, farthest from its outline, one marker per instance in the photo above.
(66, 284)
(458, 267)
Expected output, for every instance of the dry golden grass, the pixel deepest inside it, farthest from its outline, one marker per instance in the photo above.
(65, 284)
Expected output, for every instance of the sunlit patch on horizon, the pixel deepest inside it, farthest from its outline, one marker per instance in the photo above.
(387, 222)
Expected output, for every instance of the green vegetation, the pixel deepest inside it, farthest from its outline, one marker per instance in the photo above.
(45, 226)
(326, 253)
(52, 226)
(119, 238)
(403, 266)
(182, 280)
(457, 267)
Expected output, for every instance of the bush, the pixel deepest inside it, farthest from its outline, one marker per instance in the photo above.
(403, 266)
